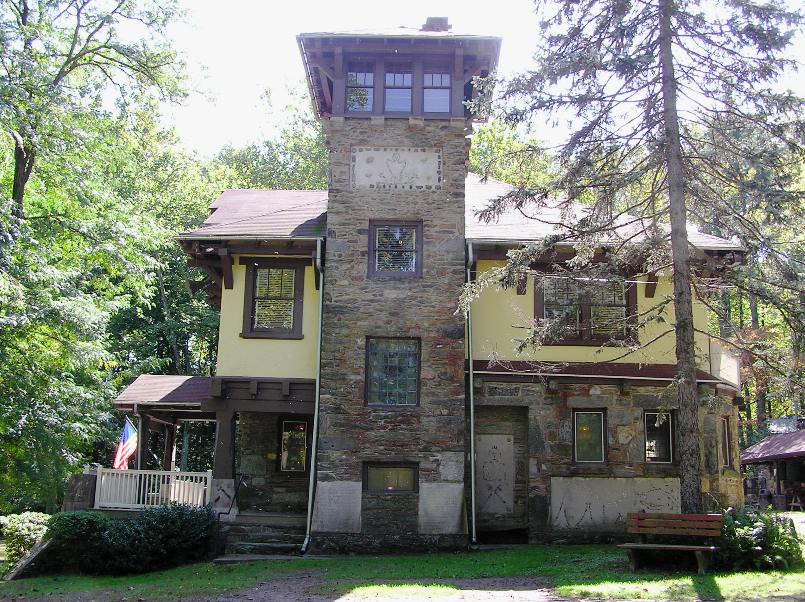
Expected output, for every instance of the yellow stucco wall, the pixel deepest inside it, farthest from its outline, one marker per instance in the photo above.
(499, 317)
(280, 358)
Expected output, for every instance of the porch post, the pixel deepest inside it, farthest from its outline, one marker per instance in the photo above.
(224, 466)
(169, 455)
(139, 464)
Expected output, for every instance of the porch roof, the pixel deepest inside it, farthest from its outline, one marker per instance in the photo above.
(165, 392)
(776, 447)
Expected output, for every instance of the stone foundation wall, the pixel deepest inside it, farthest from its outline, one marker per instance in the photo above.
(430, 435)
(566, 499)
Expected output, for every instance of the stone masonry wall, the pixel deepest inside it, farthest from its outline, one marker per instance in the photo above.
(431, 434)
(596, 495)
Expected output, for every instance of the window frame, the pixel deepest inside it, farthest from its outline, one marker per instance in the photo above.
(584, 336)
(435, 69)
(603, 413)
(671, 434)
(280, 422)
(372, 271)
(367, 377)
(414, 466)
(371, 65)
(252, 265)
(726, 443)
(389, 67)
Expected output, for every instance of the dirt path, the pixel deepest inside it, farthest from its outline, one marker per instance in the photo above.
(308, 588)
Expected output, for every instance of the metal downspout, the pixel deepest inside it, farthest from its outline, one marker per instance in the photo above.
(315, 443)
(473, 534)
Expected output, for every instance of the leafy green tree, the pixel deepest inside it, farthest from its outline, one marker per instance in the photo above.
(642, 80)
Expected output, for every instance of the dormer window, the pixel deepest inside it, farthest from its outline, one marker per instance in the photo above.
(398, 88)
(360, 87)
(436, 93)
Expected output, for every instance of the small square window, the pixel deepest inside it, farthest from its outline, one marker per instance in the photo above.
(395, 250)
(659, 437)
(392, 371)
(588, 440)
(391, 478)
(293, 446)
(726, 443)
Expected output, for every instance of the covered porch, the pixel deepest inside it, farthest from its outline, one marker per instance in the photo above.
(259, 462)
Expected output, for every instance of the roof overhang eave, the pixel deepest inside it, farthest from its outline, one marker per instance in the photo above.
(192, 236)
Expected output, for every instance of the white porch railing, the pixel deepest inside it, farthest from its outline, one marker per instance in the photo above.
(136, 489)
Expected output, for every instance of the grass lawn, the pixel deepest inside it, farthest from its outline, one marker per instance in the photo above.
(573, 571)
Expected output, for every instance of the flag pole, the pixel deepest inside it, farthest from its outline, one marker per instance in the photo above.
(139, 437)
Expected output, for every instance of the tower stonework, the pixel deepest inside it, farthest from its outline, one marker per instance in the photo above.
(428, 436)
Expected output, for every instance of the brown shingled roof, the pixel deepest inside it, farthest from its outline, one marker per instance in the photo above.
(303, 214)
(776, 447)
(164, 388)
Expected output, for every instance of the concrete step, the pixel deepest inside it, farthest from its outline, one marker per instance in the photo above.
(263, 549)
(274, 519)
(236, 530)
(266, 538)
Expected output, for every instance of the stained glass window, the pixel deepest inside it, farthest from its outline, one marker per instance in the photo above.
(396, 250)
(293, 455)
(589, 436)
(608, 309)
(392, 371)
(592, 310)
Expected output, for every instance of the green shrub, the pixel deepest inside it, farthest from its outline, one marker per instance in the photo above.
(758, 539)
(21, 532)
(154, 539)
(76, 536)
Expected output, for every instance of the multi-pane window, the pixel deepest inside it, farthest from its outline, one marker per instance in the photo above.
(395, 250)
(436, 92)
(293, 446)
(273, 299)
(390, 478)
(588, 435)
(659, 433)
(595, 311)
(398, 88)
(392, 371)
(360, 87)
(726, 456)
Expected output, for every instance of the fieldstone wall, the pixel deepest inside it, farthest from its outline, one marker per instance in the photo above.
(594, 502)
(266, 488)
(432, 433)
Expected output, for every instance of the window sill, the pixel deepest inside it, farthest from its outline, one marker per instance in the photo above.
(391, 407)
(272, 335)
(586, 343)
(394, 276)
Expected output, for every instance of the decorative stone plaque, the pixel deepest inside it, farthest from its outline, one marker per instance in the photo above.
(494, 473)
(396, 168)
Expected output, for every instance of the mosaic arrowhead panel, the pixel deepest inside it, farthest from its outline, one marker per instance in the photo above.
(396, 168)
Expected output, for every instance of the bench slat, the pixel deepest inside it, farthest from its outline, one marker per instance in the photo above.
(649, 522)
(680, 517)
(659, 546)
(682, 531)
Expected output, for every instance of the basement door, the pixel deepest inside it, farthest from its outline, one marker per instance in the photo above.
(501, 468)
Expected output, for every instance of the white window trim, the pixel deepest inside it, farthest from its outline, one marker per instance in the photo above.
(670, 436)
(575, 438)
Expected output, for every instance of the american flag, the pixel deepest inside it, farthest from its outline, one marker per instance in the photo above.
(127, 446)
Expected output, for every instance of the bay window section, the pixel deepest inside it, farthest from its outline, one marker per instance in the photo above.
(398, 79)
(436, 90)
(360, 88)
(588, 436)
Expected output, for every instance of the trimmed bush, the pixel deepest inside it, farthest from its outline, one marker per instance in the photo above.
(21, 532)
(758, 539)
(156, 538)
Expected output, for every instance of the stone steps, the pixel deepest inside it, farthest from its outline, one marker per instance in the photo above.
(265, 534)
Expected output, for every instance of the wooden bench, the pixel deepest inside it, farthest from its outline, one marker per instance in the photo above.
(686, 525)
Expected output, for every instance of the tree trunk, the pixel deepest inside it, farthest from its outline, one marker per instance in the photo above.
(23, 166)
(177, 358)
(688, 414)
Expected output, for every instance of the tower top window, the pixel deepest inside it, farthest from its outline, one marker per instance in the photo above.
(360, 87)
(398, 81)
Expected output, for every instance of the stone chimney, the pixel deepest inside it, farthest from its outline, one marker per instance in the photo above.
(437, 24)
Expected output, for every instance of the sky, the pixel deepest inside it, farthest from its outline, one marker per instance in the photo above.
(235, 49)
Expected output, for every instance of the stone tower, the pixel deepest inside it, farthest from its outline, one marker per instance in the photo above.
(391, 457)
